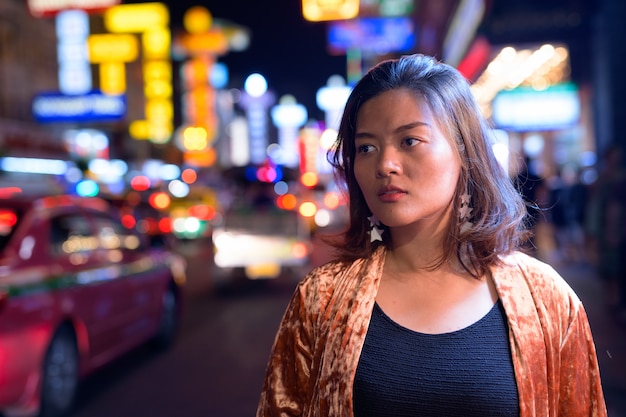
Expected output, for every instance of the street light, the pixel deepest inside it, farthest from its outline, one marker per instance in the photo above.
(255, 100)
(332, 99)
(288, 116)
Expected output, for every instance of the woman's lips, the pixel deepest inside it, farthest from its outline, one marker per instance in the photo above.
(390, 194)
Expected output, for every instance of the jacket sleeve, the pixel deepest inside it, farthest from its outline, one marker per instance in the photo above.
(580, 384)
(286, 386)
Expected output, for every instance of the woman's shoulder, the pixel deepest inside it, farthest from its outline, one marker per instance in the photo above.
(344, 273)
(326, 273)
(319, 288)
(332, 272)
(526, 262)
(541, 278)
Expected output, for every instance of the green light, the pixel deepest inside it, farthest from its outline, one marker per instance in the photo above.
(87, 188)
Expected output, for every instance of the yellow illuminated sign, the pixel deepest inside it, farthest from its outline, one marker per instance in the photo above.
(159, 110)
(158, 89)
(322, 10)
(135, 18)
(112, 48)
(156, 43)
(157, 79)
(213, 42)
(154, 130)
(160, 132)
(139, 129)
(151, 22)
(112, 78)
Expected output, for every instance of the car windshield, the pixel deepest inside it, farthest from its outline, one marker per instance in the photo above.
(266, 221)
(253, 210)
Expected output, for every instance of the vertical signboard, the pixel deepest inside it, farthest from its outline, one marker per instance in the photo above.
(151, 22)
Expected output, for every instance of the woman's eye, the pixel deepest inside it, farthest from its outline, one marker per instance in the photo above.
(411, 141)
(365, 148)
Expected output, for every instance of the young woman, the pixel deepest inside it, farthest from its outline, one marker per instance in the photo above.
(430, 309)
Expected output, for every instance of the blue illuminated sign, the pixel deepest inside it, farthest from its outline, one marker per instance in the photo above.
(94, 106)
(379, 35)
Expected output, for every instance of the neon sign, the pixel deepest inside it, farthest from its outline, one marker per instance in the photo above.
(48, 8)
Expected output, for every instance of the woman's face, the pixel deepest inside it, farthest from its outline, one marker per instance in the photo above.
(406, 168)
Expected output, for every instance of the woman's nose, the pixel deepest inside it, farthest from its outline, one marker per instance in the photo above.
(388, 163)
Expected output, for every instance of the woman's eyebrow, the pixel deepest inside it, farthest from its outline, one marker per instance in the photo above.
(408, 126)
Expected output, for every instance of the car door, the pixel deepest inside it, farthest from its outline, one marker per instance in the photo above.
(96, 296)
(141, 275)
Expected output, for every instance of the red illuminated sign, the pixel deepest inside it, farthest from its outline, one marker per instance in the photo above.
(49, 8)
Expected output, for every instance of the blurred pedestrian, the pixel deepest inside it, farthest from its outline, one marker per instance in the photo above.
(531, 185)
(607, 226)
(571, 203)
(429, 308)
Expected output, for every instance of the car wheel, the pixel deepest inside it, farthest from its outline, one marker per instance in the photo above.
(168, 325)
(60, 375)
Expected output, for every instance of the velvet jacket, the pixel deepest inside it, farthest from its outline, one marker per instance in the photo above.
(316, 350)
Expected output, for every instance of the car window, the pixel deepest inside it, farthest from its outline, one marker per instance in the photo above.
(113, 235)
(71, 235)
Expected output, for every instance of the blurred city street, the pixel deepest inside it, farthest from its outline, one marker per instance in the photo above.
(207, 128)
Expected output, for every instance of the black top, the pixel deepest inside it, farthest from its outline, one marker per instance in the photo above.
(466, 373)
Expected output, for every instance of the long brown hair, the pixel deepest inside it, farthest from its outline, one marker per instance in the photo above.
(498, 209)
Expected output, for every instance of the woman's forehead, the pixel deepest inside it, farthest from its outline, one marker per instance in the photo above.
(398, 107)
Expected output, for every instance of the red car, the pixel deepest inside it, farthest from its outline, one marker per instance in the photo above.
(77, 290)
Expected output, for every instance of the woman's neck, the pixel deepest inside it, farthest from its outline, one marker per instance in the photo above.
(413, 250)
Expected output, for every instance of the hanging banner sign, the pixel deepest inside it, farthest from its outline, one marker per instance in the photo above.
(95, 106)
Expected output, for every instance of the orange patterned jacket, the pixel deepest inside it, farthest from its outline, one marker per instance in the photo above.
(316, 351)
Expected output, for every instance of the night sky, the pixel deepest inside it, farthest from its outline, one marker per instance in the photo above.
(288, 50)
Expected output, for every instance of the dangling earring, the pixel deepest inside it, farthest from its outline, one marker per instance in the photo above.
(376, 229)
(465, 212)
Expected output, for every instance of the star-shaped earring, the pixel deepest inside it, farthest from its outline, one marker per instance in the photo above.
(376, 231)
(465, 212)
